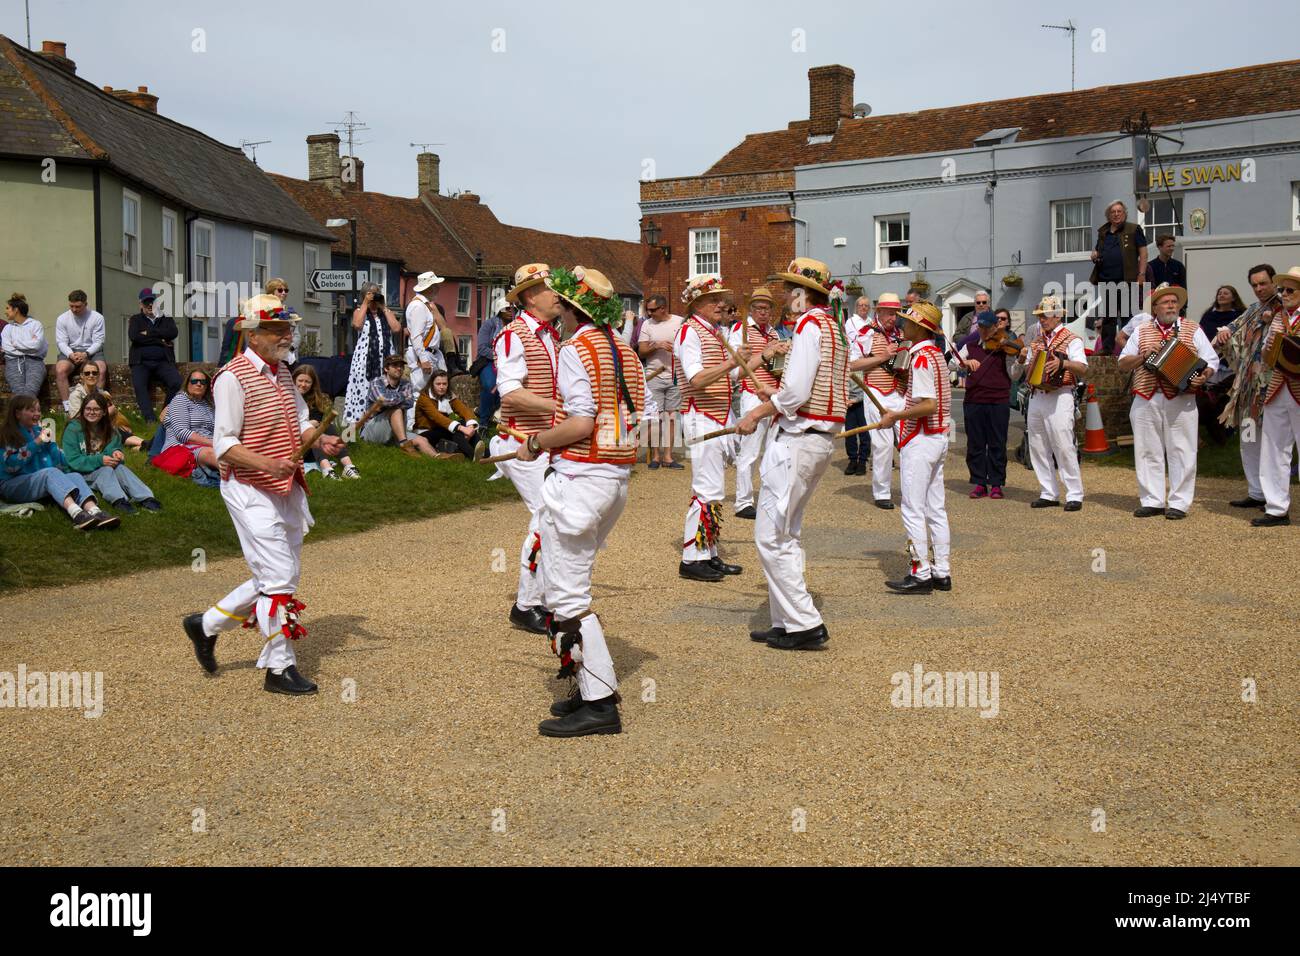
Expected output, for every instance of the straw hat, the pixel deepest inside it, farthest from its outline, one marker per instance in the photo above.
(535, 273)
(888, 300)
(1050, 305)
(701, 286)
(588, 291)
(761, 294)
(810, 273)
(264, 308)
(1165, 289)
(925, 314)
(1291, 277)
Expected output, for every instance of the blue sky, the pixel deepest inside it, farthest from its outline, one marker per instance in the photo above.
(548, 110)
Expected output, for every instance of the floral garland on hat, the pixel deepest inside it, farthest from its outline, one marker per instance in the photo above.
(572, 285)
(699, 287)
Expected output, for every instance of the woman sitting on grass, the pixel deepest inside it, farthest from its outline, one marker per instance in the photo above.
(33, 468)
(88, 383)
(189, 422)
(92, 447)
(318, 405)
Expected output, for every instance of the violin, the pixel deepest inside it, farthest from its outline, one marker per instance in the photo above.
(1004, 342)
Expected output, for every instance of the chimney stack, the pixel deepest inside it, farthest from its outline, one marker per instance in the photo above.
(468, 197)
(56, 51)
(830, 99)
(427, 168)
(323, 165)
(141, 97)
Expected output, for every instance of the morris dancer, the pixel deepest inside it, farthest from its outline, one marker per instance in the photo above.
(525, 364)
(922, 445)
(1164, 421)
(1281, 430)
(1050, 419)
(810, 406)
(594, 446)
(260, 423)
(705, 374)
(875, 344)
(758, 335)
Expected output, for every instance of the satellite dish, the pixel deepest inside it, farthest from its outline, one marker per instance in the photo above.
(861, 110)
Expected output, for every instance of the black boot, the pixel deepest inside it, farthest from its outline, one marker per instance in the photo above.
(699, 571)
(1246, 502)
(1270, 521)
(717, 564)
(562, 708)
(911, 585)
(807, 640)
(290, 682)
(593, 717)
(749, 513)
(941, 584)
(204, 646)
(530, 619)
(763, 637)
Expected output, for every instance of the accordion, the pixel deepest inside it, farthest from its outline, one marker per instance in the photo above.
(1283, 353)
(1039, 377)
(1176, 363)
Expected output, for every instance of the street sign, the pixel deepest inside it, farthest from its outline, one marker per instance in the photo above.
(337, 280)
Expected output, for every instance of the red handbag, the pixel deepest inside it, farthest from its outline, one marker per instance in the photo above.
(177, 460)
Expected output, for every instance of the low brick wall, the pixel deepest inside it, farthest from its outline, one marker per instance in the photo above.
(1112, 395)
(119, 386)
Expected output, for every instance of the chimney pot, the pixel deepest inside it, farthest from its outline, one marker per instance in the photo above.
(57, 47)
(830, 98)
(469, 197)
(56, 52)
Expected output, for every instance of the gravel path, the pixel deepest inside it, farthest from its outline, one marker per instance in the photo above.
(1119, 693)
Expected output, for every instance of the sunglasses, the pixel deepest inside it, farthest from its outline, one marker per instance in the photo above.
(90, 374)
(198, 381)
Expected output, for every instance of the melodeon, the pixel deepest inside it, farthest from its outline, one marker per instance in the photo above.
(1176, 363)
(1284, 353)
(776, 364)
(1038, 376)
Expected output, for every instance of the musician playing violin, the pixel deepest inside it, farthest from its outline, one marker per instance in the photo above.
(988, 355)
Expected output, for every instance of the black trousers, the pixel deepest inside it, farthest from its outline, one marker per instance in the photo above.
(986, 443)
(857, 446)
(142, 374)
(464, 445)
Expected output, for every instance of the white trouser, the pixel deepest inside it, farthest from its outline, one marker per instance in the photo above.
(527, 477)
(883, 441)
(709, 460)
(1281, 434)
(925, 518)
(1250, 458)
(792, 466)
(271, 529)
(1051, 432)
(1165, 429)
(577, 517)
(419, 381)
(749, 452)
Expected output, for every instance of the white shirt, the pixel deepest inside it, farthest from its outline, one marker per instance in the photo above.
(1131, 325)
(690, 351)
(444, 406)
(575, 388)
(1074, 352)
(419, 320)
(24, 341)
(736, 338)
(1204, 350)
(84, 333)
(855, 324)
(512, 367)
(228, 399)
(798, 379)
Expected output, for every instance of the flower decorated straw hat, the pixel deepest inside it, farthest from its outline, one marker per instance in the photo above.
(701, 286)
(1163, 290)
(1050, 305)
(810, 273)
(264, 308)
(535, 273)
(925, 314)
(588, 291)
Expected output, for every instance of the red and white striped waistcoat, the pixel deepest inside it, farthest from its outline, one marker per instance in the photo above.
(1058, 341)
(713, 401)
(540, 379)
(758, 339)
(829, 399)
(1150, 335)
(270, 424)
(613, 441)
(1283, 324)
(927, 356)
(880, 378)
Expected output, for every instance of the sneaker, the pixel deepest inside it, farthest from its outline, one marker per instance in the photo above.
(654, 463)
(675, 464)
(124, 506)
(979, 491)
(330, 475)
(351, 472)
(996, 492)
(103, 519)
(83, 520)
(151, 504)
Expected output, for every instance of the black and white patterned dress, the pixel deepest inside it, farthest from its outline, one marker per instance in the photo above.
(374, 341)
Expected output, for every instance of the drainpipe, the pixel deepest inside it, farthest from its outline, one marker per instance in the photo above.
(803, 222)
(189, 319)
(993, 192)
(99, 247)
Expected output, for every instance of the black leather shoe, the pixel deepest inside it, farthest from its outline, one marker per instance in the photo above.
(151, 504)
(530, 619)
(851, 468)
(748, 512)
(204, 646)
(1074, 506)
(563, 708)
(593, 717)
(911, 585)
(1246, 502)
(722, 567)
(699, 571)
(1044, 503)
(124, 506)
(1145, 512)
(884, 504)
(762, 637)
(807, 640)
(941, 584)
(1270, 521)
(1173, 514)
(290, 682)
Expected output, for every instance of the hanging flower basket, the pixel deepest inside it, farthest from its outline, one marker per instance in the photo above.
(854, 288)
(1013, 280)
(920, 284)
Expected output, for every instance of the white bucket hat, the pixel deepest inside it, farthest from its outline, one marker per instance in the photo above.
(426, 279)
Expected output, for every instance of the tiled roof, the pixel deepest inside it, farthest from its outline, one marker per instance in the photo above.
(1246, 91)
(444, 233)
(45, 112)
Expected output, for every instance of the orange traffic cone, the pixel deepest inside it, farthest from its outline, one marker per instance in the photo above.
(1094, 437)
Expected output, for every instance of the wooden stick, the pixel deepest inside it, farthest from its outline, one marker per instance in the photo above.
(659, 371)
(371, 412)
(859, 430)
(857, 380)
(495, 458)
(313, 435)
(744, 368)
(715, 434)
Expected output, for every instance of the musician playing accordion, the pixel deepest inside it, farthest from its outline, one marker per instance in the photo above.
(1164, 414)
